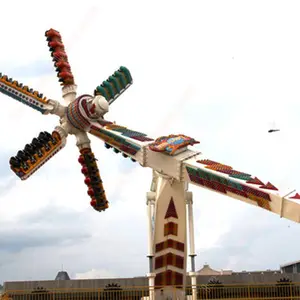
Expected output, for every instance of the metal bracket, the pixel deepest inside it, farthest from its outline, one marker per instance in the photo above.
(281, 204)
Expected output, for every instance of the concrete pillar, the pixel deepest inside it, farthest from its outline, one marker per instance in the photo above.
(193, 276)
(151, 277)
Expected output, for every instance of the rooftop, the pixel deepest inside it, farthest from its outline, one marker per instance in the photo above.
(290, 263)
(207, 270)
(62, 275)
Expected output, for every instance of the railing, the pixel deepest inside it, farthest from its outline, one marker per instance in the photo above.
(219, 291)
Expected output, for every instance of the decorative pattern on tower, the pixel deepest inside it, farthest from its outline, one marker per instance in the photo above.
(169, 266)
(171, 211)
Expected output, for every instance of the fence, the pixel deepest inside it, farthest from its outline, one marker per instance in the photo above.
(219, 291)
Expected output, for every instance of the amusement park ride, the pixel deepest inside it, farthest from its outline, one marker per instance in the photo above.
(174, 162)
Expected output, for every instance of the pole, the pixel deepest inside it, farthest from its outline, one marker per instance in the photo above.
(193, 275)
(151, 274)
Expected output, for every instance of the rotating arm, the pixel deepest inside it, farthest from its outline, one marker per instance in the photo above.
(25, 95)
(115, 85)
(91, 172)
(61, 64)
(39, 151)
(93, 179)
(60, 57)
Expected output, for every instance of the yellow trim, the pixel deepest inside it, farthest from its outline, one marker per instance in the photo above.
(23, 90)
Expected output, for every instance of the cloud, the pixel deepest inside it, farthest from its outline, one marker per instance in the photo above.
(7, 183)
(185, 81)
(246, 247)
(94, 274)
(32, 229)
(40, 67)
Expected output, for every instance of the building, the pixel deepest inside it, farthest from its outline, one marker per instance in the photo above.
(291, 268)
(208, 271)
(204, 276)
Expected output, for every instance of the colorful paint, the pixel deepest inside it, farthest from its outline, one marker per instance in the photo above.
(169, 259)
(171, 211)
(34, 155)
(212, 165)
(168, 278)
(227, 185)
(136, 135)
(74, 114)
(174, 252)
(79, 116)
(60, 57)
(115, 85)
(172, 143)
(169, 243)
(171, 228)
(93, 179)
(115, 140)
(296, 196)
(23, 94)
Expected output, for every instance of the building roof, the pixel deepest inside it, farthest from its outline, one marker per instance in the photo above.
(290, 264)
(62, 275)
(207, 270)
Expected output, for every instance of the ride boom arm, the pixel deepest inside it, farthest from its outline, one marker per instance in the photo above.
(223, 179)
(172, 156)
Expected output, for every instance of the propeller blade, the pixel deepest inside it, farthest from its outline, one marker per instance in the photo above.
(93, 179)
(35, 154)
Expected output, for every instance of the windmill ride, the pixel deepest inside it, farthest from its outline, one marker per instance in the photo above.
(174, 161)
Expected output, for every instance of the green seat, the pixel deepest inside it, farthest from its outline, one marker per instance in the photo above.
(112, 88)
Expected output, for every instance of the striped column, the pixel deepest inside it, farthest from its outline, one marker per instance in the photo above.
(170, 235)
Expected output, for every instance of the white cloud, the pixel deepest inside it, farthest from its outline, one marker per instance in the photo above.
(94, 274)
(218, 71)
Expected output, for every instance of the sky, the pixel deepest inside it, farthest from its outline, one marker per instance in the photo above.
(222, 72)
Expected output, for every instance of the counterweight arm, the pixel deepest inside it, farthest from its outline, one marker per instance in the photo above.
(223, 179)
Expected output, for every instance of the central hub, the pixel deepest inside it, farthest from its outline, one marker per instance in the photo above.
(86, 109)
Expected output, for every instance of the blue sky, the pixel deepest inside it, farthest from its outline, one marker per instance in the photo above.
(221, 72)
